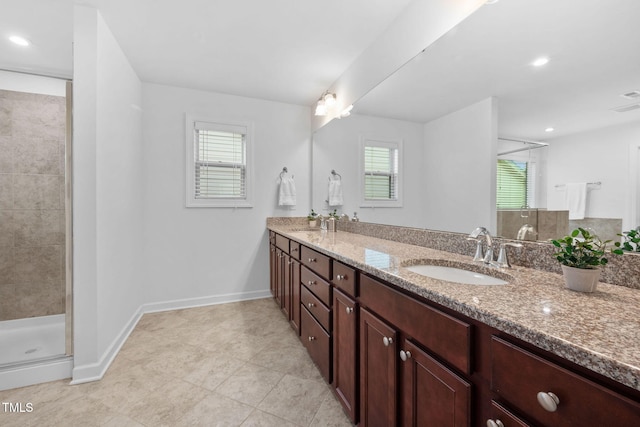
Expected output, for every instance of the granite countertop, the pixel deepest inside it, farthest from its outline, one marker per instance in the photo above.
(599, 331)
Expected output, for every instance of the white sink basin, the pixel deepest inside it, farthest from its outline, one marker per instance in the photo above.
(457, 275)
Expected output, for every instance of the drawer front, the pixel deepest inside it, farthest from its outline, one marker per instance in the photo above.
(321, 313)
(294, 249)
(344, 278)
(499, 413)
(317, 262)
(518, 376)
(282, 243)
(440, 333)
(316, 284)
(317, 342)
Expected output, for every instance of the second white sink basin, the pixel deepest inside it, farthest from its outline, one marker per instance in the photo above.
(457, 275)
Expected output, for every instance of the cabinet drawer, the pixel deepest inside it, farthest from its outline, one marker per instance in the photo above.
(317, 342)
(320, 287)
(316, 308)
(344, 278)
(518, 376)
(294, 249)
(440, 333)
(316, 261)
(282, 243)
(499, 413)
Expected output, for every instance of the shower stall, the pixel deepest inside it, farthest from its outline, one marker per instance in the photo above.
(35, 219)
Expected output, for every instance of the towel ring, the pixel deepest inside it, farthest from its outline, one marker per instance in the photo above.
(284, 170)
(334, 173)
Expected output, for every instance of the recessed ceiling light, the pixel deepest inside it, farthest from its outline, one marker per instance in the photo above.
(549, 129)
(20, 41)
(540, 62)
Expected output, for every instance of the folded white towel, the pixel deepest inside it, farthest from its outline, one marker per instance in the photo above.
(335, 192)
(287, 196)
(576, 200)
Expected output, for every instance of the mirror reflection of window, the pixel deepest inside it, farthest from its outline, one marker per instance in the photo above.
(380, 172)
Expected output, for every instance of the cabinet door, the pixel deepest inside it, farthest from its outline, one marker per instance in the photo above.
(286, 285)
(273, 268)
(345, 336)
(431, 393)
(295, 294)
(378, 380)
(279, 276)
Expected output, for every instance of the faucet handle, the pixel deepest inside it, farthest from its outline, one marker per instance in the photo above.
(479, 255)
(503, 259)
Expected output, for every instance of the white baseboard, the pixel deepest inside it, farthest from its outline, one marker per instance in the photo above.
(95, 371)
(36, 373)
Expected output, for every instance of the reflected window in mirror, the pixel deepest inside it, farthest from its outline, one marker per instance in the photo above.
(515, 184)
(381, 173)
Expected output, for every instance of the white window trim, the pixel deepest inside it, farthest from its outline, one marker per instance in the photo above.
(388, 143)
(191, 201)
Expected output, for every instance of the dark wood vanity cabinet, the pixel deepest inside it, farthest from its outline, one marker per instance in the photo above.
(395, 359)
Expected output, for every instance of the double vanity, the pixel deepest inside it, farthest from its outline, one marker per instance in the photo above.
(412, 335)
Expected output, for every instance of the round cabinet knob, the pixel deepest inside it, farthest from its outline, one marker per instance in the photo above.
(387, 341)
(340, 277)
(311, 282)
(311, 338)
(290, 262)
(311, 305)
(294, 250)
(405, 355)
(496, 423)
(548, 401)
(312, 260)
(349, 310)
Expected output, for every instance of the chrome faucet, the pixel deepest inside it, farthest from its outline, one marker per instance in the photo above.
(488, 254)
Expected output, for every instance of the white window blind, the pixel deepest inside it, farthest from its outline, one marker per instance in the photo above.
(514, 185)
(381, 173)
(218, 169)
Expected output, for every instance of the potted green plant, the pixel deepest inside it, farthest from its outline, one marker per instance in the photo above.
(313, 218)
(631, 242)
(581, 254)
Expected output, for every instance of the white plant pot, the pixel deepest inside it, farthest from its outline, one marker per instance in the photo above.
(581, 279)
(313, 223)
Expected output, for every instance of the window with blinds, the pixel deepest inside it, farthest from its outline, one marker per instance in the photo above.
(513, 184)
(218, 169)
(380, 173)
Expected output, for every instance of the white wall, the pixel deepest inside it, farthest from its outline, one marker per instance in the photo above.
(202, 255)
(460, 168)
(337, 146)
(599, 155)
(107, 194)
(20, 82)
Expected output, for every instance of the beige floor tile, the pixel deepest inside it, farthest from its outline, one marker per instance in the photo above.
(167, 404)
(212, 371)
(122, 421)
(330, 414)
(216, 410)
(82, 412)
(307, 394)
(249, 384)
(291, 358)
(260, 418)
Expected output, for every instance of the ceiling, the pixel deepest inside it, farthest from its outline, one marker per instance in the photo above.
(281, 50)
(594, 52)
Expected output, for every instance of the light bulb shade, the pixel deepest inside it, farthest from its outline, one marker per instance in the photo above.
(321, 108)
(329, 99)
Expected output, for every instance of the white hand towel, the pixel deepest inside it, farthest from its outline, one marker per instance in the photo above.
(335, 192)
(287, 196)
(576, 199)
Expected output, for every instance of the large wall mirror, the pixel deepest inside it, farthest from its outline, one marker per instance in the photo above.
(472, 106)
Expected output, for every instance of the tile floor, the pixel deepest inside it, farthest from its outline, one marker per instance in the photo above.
(237, 364)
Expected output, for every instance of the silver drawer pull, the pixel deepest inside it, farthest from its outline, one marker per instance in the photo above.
(405, 355)
(311, 305)
(340, 277)
(311, 282)
(387, 341)
(349, 310)
(289, 262)
(312, 260)
(311, 338)
(294, 250)
(496, 423)
(548, 401)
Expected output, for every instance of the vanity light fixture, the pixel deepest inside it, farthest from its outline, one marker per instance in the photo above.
(540, 61)
(346, 112)
(549, 129)
(20, 41)
(326, 101)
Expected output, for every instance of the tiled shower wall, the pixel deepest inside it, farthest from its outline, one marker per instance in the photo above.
(32, 201)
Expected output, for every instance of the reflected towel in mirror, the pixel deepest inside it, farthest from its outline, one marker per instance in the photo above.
(335, 192)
